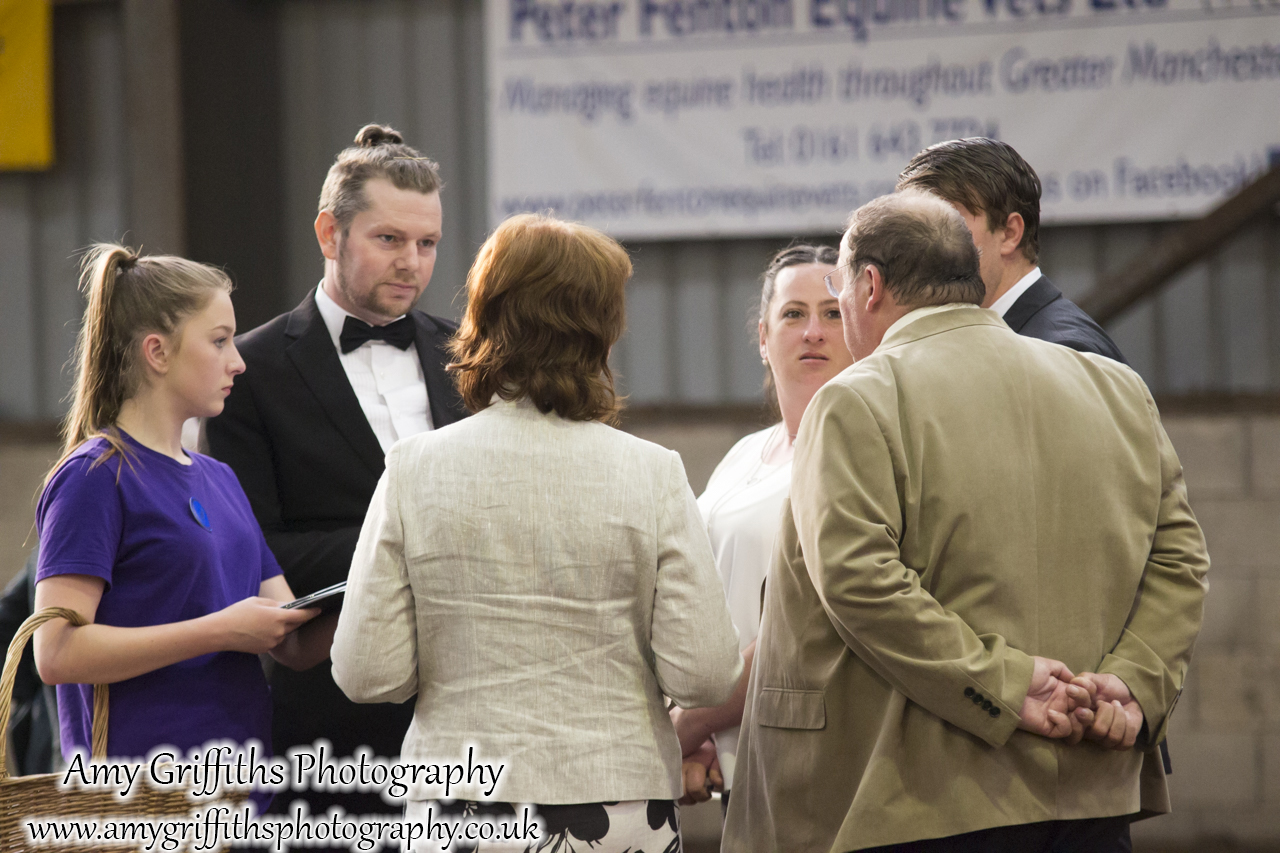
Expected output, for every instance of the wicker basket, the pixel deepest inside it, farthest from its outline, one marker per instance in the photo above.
(39, 796)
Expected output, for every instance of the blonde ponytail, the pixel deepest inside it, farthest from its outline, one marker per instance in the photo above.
(128, 296)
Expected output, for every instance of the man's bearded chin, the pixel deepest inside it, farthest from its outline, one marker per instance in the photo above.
(392, 308)
(369, 301)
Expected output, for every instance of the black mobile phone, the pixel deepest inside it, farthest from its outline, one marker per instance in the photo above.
(329, 598)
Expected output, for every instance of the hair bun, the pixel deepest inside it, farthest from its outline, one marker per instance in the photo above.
(373, 135)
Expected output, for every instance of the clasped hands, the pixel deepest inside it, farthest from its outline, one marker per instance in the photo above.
(1089, 706)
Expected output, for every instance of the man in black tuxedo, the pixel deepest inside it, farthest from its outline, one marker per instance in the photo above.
(328, 387)
(998, 194)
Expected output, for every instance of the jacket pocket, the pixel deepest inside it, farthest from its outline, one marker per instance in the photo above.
(791, 709)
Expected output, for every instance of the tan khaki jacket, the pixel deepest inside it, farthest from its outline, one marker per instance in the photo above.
(962, 499)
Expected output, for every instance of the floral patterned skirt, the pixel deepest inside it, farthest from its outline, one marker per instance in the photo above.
(633, 826)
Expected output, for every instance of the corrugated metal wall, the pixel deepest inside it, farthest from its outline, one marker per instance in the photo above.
(1216, 328)
(418, 65)
(46, 218)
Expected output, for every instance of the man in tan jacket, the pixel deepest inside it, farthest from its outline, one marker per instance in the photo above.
(974, 517)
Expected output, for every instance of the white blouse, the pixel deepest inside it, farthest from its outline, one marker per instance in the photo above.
(742, 506)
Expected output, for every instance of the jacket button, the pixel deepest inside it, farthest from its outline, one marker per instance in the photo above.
(995, 712)
(986, 706)
(977, 698)
(968, 691)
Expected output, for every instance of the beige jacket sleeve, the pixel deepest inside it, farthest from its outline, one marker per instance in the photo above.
(694, 643)
(1154, 650)
(847, 514)
(375, 649)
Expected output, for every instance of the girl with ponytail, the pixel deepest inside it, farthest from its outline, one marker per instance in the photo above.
(156, 547)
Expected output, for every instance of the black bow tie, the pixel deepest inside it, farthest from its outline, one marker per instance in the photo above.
(356, 332)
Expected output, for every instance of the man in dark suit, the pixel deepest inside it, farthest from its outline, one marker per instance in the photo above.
(328, 388)
(998, 194)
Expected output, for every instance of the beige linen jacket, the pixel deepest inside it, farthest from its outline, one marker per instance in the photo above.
(539, 584)
(962, 499)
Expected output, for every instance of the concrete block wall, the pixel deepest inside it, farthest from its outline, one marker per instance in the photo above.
(1225, 735)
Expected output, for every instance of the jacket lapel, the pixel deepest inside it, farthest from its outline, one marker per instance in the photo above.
(1025, 307)
(431, 342)
(316, 360)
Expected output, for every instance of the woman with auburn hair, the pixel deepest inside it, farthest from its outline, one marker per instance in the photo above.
(538, 578)
(802, 346)
(154, 546)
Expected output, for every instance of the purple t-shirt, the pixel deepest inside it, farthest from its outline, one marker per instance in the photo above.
(134, 527)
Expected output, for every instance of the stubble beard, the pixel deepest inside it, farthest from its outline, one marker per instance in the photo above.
(367, 302)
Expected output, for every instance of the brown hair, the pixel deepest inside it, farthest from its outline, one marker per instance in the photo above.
(921, 246)
(129, 297)
(545, 302)
(983, 175)
(795, 255)
(378, 152)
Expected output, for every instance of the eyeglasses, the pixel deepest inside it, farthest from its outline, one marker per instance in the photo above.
(835, 281)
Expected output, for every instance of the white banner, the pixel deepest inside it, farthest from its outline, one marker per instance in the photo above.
(686, 118)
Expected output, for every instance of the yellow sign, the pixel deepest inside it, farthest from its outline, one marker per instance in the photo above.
(26, 84)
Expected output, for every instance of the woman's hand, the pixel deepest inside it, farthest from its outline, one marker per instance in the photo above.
(702, 775)
(257, 625)
(309, 645)
(105, 654)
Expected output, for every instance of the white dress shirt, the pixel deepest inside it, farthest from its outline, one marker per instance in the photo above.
(388, 381)
(1002, 305)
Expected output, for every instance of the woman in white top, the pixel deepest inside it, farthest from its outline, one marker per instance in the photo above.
(802, 346)
(539, 579)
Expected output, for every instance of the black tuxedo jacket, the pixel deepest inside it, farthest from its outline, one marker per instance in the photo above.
(1043, 312)
(294, 433)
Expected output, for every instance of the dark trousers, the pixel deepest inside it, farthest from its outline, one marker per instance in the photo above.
(309, 705)
(1095, 835)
